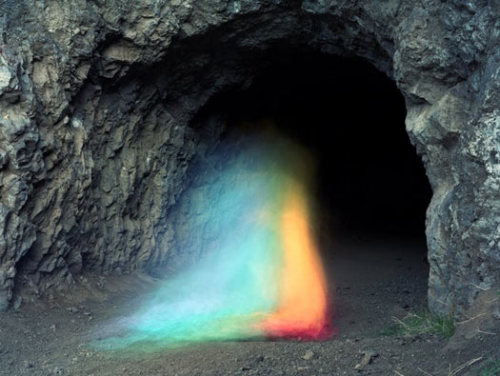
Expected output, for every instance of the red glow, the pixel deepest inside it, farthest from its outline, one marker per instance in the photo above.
(303, 304)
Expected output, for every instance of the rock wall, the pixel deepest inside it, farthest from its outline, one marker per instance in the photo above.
(98, 98)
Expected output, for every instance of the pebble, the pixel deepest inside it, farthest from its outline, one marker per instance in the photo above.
(368, 356)
(17, 303)
(308, 355)
(370, 353)
(496, 313)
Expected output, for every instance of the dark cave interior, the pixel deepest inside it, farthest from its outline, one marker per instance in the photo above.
(371, 183)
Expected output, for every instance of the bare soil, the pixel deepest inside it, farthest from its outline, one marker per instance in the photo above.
(373, 283)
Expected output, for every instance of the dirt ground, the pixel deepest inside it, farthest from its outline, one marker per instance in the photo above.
(372, 283)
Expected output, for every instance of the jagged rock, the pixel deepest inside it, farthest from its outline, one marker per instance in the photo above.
(16, 237)
(4, 159)
(96, 99)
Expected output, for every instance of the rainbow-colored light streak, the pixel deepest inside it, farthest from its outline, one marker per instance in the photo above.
(263, 278)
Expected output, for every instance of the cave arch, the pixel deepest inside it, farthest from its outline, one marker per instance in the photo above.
(97, 143)
(371, 191)
(365, 131)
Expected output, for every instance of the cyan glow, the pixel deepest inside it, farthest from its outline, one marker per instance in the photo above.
(260, 276)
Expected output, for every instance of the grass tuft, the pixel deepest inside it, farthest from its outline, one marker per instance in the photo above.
(424, 323)
(491, 368)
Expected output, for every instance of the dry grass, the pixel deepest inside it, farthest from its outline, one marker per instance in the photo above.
(491, 368)
(424, 323)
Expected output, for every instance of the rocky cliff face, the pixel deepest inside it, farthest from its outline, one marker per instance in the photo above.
(97, 100)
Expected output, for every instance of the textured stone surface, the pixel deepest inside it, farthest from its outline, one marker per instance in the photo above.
(96, 100)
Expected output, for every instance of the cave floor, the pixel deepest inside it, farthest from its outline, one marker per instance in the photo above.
(374, 285)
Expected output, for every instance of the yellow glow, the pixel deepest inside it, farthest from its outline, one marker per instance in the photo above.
(303, 295)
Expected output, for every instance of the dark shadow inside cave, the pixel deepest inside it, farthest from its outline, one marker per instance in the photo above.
(371, 190)
(351, 116)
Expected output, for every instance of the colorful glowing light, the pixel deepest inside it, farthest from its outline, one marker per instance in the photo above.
(261, 276)
(302, 304)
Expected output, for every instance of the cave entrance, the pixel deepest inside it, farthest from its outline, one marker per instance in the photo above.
(371, 191)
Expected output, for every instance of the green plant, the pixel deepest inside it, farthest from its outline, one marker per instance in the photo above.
(424, 323)
(491, 368)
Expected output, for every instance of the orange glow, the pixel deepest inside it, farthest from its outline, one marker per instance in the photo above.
(303, 302)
